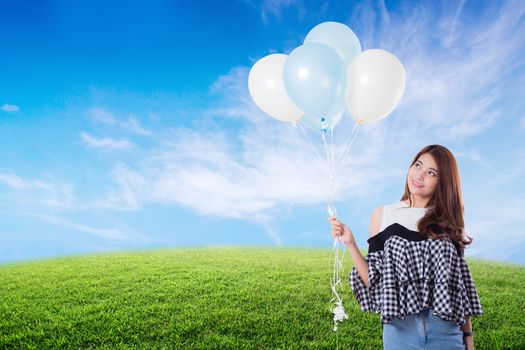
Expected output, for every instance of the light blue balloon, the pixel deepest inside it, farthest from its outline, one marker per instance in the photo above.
(338, 36)
(315, 80)
(320, 123)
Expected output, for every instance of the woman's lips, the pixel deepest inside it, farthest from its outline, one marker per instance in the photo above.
(417, 184)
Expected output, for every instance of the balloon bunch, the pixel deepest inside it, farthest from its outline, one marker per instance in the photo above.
(316, 83)
(323, 76)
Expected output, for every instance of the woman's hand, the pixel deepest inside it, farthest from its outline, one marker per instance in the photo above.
(341, 231)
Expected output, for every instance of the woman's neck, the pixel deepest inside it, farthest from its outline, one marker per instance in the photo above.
(418, 202)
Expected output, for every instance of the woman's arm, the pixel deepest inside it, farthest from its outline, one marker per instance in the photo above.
(348, 239)
(467, 327)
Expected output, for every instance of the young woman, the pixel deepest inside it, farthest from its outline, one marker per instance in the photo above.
(415, 275)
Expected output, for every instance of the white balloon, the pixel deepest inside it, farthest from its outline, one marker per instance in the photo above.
(375, 83)
(266, 86)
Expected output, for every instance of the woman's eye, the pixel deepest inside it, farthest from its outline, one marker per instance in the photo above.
(432, 173)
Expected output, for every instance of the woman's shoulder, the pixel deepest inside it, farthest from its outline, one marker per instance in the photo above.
(375, 221)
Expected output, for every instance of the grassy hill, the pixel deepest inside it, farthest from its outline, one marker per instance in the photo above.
(215, 298)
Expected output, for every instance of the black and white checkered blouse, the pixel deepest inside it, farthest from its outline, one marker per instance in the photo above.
(408, 272)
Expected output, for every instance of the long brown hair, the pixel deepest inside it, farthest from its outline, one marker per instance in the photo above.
(444, 217)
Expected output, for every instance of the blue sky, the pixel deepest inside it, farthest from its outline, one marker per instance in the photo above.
(128, 125)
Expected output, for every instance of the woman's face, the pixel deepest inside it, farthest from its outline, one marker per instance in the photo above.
(423, 176)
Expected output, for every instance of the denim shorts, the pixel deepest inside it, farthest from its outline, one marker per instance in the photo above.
(422, 331)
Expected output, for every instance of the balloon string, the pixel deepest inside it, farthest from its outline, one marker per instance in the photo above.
(308, 138)
(327, 152)
(332, 137)
(349, 143)
(338, 311)
(331, 208)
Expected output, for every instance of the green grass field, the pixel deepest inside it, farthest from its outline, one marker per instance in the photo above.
(215, 298)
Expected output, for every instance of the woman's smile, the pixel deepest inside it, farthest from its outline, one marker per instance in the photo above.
(417, 184)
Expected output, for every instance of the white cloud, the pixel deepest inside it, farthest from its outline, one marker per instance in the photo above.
(105, 143)
(455, 71)
(15, 181)
(9, 108)
(494, 208)
(497, 229)
(201, 171)
(272, 233)
(131, 124)
(473, 155)
(243, 173)
(452, 25)
(102, 116)
(124, 196)
(274, 8)
(107, 233)
(51, 194)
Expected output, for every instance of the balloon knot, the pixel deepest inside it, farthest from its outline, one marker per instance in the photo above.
(324, 125)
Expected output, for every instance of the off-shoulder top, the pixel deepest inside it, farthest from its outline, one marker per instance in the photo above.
(408, 272)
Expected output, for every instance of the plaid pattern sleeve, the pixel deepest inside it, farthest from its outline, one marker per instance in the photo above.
(470, 298)
(368, 297)
(408, 273)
